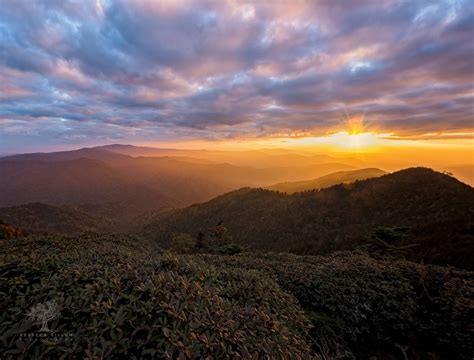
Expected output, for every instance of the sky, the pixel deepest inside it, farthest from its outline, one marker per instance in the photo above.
(81, 73)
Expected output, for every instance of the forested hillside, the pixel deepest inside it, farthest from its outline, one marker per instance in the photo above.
(43, 218)
(436, 208)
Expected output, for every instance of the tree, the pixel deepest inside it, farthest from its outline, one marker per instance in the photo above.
(384, 241)
(200, 241)
(229, 249)
(218, 236)
(389, 235)
(182, 243)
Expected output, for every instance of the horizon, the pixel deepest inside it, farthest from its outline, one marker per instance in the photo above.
(446, 161)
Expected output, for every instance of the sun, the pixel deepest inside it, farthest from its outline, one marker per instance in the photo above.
(355, 137)
(355, 124)
(354, 140)
(345, 141)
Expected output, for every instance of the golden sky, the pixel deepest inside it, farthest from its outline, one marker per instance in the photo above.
(345, 76)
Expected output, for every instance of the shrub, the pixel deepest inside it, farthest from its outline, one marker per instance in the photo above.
(371, 307)
(229, 249)
(182, 243)
(218, 236)
(216, 240)
(9, 232)
(386, 242)
(120, 297)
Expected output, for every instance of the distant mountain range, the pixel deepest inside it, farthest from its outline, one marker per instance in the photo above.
(259, 158)
(437, 209)
(340, 177)
(96, 176)
(101, 189)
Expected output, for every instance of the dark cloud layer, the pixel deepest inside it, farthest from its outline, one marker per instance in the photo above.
(85, 71)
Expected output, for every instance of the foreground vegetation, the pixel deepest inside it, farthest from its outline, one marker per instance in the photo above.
(361, 306)
(9, 232)
(123, 297)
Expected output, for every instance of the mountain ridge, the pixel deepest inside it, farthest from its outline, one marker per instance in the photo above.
(433, 205)
(92, 176)
(338, 177)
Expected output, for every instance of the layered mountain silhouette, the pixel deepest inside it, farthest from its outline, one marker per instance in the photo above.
(339, 177)
(134, 184)
(259, 158)
(115, 189)
(436, 208)
(73, 182)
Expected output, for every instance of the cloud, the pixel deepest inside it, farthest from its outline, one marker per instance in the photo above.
(172, 70)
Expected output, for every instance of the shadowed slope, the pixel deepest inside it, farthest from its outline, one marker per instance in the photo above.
(437, 208)
(73, 182)
(43, 218)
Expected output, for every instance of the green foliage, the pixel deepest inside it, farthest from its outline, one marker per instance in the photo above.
(388, 242)
(389, 235)
(121, 297)
(182, 244)
(41, 218)
(9, 232)
(215, 240)
(218, 237)
(229, 249)
(371, 307)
